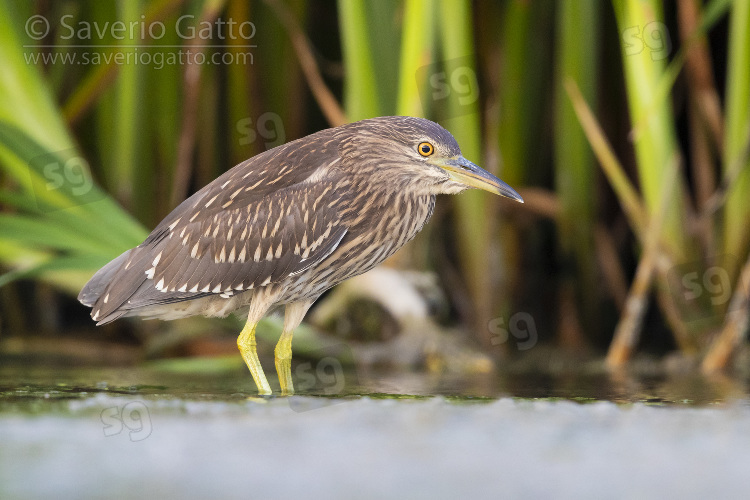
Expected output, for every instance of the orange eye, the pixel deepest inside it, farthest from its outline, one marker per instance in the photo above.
(425, 149)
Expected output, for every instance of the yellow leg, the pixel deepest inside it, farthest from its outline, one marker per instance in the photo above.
(247, 345)
(292, 318)
(283, 356)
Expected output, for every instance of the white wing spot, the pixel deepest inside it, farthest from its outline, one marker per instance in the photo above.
(250, 188)
(194, 251)
(183, 288)
(150, 273)
(211, 201)
(172, 225)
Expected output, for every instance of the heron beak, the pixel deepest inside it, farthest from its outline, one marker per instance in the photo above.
(465, 172)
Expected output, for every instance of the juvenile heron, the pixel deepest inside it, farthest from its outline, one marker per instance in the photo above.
(287, 225)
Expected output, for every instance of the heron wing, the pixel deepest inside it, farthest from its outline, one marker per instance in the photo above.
(244, 230)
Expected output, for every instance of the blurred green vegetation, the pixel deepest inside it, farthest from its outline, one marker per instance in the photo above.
(618, 122)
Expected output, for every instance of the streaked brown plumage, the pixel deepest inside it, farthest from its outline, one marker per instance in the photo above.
(286, 225)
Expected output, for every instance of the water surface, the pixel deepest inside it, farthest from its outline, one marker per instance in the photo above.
(159, 430)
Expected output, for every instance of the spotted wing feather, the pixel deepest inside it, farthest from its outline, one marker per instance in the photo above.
(261, 243)
(244, 230)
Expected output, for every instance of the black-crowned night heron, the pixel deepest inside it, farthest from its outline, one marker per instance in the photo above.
(287, 225)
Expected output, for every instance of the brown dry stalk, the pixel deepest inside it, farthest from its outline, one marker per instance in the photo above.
(323, 95)
(630, 324)
(698, 65)
(540, 201)
(629, 327)
(735, 326)
(631, 203)
(635, 213)
(704, 114)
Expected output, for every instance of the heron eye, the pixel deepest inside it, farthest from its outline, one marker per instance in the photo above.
(425, 149)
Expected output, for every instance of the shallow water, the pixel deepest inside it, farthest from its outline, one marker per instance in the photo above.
(155, 431)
